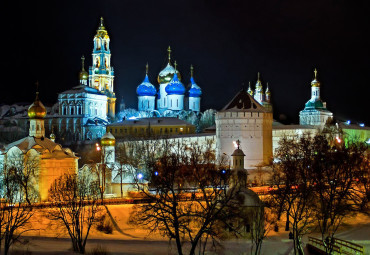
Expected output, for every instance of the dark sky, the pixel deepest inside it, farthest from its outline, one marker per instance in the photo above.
(228, 42)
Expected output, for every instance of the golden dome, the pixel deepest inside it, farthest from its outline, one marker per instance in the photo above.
(36, 110)
(108, 140)
(83, 75)
(315, 82)
(166, 75)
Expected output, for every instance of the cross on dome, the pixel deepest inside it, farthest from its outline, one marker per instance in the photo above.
(169, 54)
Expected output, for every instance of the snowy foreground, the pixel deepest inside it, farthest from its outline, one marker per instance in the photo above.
(49, 238)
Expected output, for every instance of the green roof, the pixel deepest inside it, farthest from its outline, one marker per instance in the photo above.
(314, 105)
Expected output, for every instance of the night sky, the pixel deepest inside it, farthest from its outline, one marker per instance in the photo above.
(228, 42)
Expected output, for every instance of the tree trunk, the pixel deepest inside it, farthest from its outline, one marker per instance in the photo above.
(287, 221)
(121, 182)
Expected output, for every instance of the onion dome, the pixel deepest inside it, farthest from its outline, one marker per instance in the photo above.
(52, 135)
(108, 140)
(175, 87)
(102, 32)
(250, 91)
(238, 151)
(166, 75)
(83, 75)
(315, 82)
(146, 88)
(36, 110)
(195, 90)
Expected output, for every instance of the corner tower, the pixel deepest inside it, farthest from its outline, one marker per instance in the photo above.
(244, 119)
(101, 73)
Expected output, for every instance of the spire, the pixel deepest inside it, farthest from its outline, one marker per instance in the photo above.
(146, 68)
(84, 76)
(258, 77)
(37, 91)
(83, 63)
(238, 144)
(315, 71)
(169, 54)
(175, 66)
(101, 27)
(191, 71)
(267, 88)
(250, 91)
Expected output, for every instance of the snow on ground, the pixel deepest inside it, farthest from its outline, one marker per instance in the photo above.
(50, 238)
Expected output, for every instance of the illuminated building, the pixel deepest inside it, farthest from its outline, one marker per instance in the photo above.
(101, 73)
(315, 112)
(48, 159)
(163, 126)
(244, 119)
(82, 112)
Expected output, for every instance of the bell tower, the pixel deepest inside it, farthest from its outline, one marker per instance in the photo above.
(101, 73)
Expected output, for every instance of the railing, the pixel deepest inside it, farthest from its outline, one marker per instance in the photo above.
(350, 247)
(340, 247)
(320, 247)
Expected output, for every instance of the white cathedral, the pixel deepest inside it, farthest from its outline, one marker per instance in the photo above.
(172, 96)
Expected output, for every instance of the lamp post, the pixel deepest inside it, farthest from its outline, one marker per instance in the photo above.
(102, 177)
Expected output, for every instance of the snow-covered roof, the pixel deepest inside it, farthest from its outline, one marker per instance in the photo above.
(243, 102)
(55, 150)
(82, 89)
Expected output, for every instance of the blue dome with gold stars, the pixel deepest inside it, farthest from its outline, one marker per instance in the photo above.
(175, 87)
(146, 88)
(194, 90)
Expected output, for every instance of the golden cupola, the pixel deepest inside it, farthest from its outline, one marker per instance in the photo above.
(108, 140)
(166, 75)
(36, 110)
(83, 75)
(315, 82)
(102, 32)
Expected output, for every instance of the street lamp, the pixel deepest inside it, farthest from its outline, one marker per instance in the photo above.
(102, 179)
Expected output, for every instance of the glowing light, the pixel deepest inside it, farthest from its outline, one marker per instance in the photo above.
(223, 171)
(338, 139)
(368, 141)
(140, 176)
(132, 118)
(156, 173)
(362, 124)
(348, 122)
(235, 144)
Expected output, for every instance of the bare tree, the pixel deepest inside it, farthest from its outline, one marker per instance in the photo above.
(76, 201)
(295, 190)
(336, 168)
(261, 223)
(16, 202)
(189, 195)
